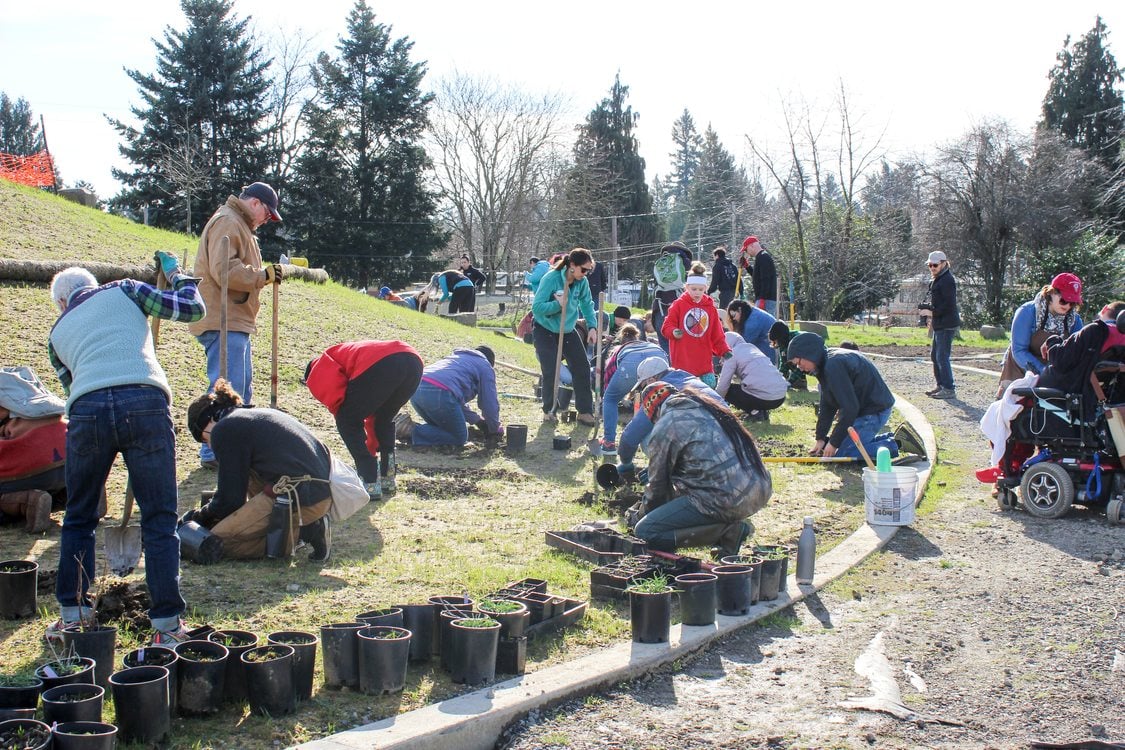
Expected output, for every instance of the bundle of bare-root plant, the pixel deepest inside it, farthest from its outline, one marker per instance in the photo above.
(42, 271)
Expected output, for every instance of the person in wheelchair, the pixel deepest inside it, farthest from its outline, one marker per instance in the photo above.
(1070, 361)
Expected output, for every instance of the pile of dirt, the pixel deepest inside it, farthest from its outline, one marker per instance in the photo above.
(125, 604)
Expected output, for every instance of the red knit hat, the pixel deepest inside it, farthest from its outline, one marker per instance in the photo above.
(748, 242)
(1069, 286)
(654, 395)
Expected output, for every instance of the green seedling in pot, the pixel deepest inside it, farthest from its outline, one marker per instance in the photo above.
(654, 585)
(192, 654)
(268, 654)
(389, 634)
(20, 680)
(498, 606)
(477, 622)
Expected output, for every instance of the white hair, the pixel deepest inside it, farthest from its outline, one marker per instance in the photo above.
(67, 282)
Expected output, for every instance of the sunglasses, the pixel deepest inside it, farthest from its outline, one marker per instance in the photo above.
(1065, 303)
(933, 265)
(585, 269)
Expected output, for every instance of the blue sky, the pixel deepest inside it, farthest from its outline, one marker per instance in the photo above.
(922, 73)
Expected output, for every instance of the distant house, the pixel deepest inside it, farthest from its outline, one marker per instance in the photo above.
(903, 309)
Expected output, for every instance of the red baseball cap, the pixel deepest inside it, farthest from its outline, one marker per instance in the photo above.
(1069, 287)
(748, 242)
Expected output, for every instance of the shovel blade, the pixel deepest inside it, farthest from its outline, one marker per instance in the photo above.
(123, 548)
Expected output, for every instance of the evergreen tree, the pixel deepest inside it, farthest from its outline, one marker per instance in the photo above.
(1084, 100)
(606, 180)
(207, 98)
(360, 205)
(19, 134)
(718, 186)
(685, 160)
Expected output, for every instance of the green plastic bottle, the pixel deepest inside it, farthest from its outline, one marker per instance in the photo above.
(883, 459)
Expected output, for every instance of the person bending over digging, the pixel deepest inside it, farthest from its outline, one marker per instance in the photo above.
(442, 398)
(852, 393)
(705, 475)
(256, 448)
(118, 402)
(364, 384)
(760, 386)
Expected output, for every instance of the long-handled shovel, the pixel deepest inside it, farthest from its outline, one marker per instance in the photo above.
(161, 284)
(808, 460)
(123, 543)
(562, 336)
(273, 350)
(224, 287)
(598, 405)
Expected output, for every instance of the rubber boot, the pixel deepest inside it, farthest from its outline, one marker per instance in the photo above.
(375, 489)
(699, 536)
(730, 541)
(388, 474)
(34, 506)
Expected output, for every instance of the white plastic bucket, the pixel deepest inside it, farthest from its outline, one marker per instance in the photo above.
(889, 495)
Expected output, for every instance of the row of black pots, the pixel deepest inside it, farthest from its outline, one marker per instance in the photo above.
(29, 734)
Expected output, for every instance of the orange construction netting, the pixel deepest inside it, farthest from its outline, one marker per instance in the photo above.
(36, 170)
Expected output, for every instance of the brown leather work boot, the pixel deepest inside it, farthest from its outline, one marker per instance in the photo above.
(34, 506)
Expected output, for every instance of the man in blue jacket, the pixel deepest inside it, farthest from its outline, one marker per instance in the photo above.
(442, 400)
(852, 393)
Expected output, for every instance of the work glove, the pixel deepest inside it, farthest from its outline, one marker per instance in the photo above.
(633, 516)
(728, 355)
(274, 273)
(168, 263)
(188, 517)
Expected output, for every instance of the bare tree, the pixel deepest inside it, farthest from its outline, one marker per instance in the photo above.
(186, 166)
(495, 150)
(291, 90)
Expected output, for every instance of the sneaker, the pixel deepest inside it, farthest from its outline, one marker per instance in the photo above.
(404, 427)
(944, 393)
(170, 638)
(388, 477)
(608, 447)
(932, 391)
(319, 535)
(37, 512)
(374, 489)
(55, 629)
(587, 419)
(389, 487)
(209, 463)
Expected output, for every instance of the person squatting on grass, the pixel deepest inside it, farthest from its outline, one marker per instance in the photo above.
(851, 389)
(118, 401)
(236, 220)
(694, 330)
(442, 398)
(256, 448)
(551, 321)
(753, 325)
(705, 474)
(364, 384)
(621, 377)
(760, 388)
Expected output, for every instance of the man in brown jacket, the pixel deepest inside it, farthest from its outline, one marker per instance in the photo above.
(237, 221)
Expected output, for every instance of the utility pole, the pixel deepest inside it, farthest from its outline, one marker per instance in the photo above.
(733, 238)
(611, 279)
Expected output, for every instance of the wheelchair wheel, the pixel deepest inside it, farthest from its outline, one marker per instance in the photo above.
(1047, 490)
(1113, 511)
(1005, 499)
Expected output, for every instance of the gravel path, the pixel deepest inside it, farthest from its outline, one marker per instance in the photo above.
(996, 628)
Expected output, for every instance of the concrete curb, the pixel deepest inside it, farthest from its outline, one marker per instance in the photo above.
(474, 721)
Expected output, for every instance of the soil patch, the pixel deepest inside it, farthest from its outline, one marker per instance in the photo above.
(126, 604)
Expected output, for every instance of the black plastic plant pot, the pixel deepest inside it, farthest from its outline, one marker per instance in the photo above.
(140, 697)
(565, 394)
(440, 602)
(384, 652)
(511, 656)
(237, 642)
(699, 598)
(778, 551)
(202, 676)
(97, 643)
(735, 587)
(389, 616)
(73, 703)
(473, 657)
(517, 439)
(84, 735)
(16, 713)
(419, 620)
(445, 635)
(304, 658)
(269, 680)
(755, 562)
(650, 615)
(20, 693)
(66, 671)
(770, 583)
(199, 545)
(513, 616)
(18, 579)
(158, 656)
(339, 645)
(25, 734)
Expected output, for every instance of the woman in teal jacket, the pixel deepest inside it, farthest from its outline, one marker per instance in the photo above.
(550, 321)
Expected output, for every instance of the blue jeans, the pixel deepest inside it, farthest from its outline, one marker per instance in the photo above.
(867, 427)
(771, 306)
(239, 369)
(621, 383)
(443, 414)
(940, 349)
(659, 527)
(132, 420)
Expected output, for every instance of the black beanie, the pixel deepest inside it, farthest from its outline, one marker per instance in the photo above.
(488, 354)
(622, 312)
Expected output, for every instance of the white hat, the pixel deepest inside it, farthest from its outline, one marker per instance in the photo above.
(733, 339)
(937, 256)
(650, 367)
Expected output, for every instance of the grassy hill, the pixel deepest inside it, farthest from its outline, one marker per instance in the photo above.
(463, 522)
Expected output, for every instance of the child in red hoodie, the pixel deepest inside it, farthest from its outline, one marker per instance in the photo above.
(694, 329)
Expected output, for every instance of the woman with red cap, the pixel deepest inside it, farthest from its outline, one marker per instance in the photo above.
(1053, 311)
(706, 476)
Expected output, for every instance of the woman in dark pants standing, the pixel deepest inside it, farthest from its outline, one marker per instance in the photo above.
(550, 320)
(364, 384)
